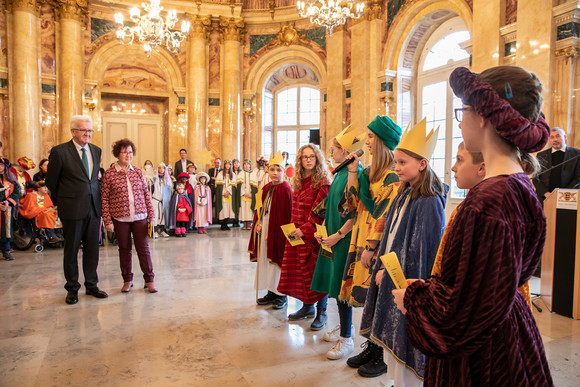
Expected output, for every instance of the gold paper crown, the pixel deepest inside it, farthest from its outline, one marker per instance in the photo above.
(277, 159)
(418, 141)
(346, 139)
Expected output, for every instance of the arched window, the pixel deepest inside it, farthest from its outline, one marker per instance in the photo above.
(435, 99)
(288, 117)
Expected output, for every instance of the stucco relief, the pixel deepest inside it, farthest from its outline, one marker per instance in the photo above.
(135, 72)
(47, 39)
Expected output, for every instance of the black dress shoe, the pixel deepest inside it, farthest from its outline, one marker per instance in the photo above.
(71, 298)
(269, 298)
(306, 311)
(96, 292)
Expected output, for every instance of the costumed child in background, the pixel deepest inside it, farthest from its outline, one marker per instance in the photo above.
(225, 183)
(236, 194)
(470, 320)
(9, 196)
(184, 179)
(181, 217)
(160, 198)
(260, 176)
(149, 174)
(20, 171)
(245, 189)
(192, 172)
(37, 205)
(414, 225)
(267, 239)
(329, 269)
(368, 195)
(202, 203)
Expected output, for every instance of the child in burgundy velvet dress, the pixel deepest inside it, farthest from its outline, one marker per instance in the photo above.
(470, 320)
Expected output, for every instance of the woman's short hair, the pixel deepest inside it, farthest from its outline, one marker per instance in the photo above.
(123, 143)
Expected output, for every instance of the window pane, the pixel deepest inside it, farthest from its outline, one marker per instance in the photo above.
(266, 144)
(286, 142)
(287, 104)
(446, 50)
(267, 110)
(304, 137)
(434, 109)
(309, 106)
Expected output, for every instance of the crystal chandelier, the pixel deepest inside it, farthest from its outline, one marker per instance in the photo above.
(330, 14)
(151, 29)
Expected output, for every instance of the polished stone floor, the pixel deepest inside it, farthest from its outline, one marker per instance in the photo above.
(202, 328)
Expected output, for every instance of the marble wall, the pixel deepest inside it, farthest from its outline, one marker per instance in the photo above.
(49, 126)
(511, 11)
(214, 59)
(3, 31)
(48, 40)
(4, 133)
(135, 72)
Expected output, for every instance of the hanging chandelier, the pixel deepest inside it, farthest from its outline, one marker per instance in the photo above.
(151, 29)
(330, 14)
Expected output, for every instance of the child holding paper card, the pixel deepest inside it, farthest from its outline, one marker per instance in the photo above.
(413, 228)
(470, 320)
(311, 182)
(330, 265)
(267, 239)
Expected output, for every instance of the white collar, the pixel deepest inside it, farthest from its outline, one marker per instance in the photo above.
(118, 168)
(556, 150)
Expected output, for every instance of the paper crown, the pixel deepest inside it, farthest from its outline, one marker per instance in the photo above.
(277, 159)
(348, 139)
(418, 141)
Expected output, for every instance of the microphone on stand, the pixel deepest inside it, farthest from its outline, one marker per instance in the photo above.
(343, 165)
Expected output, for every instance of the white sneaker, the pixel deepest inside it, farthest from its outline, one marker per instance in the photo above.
(334, 334)
(156, 235)
(164, 234)
(343, 347)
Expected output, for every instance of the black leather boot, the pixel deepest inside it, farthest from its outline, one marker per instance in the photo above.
(375, 367)
(364, 357)
(320, 319)
(306, 311)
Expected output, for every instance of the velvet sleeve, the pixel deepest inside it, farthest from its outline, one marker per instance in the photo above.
(308, 228)
(454, 313)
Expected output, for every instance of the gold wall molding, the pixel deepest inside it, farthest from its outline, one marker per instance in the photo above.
(288, 35)
(373, 10)
(94, 46)
(200, 26)
(71, 9)
(32, 6)
(569, 52)
(232, 28)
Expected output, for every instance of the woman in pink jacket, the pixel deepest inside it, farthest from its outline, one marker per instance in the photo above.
(127, 210)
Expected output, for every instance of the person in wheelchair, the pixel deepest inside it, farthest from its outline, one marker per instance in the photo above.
(38, 205)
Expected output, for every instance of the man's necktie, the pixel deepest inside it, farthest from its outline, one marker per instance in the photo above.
(85, 160)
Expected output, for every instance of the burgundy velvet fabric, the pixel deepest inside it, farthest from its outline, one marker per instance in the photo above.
(280, 214)
(470, 320)
(508, 122)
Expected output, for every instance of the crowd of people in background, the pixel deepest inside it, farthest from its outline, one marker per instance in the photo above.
(315, 234)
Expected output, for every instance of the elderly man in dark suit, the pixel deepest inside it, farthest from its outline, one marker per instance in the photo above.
(566, 175)
(182, 163)
(72, 174)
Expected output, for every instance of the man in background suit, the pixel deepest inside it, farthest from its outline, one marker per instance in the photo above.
(71, 177)
(181, 164)
(565, 176)
(213, 172)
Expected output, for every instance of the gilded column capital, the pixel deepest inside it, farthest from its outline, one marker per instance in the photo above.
(200, 26)
(71, 9)
(373, 10)
(567, 52)
(32, 6)
(232, 28)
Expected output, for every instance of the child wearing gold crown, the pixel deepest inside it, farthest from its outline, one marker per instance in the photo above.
(413, 228)
(267, 241)
(470, 320)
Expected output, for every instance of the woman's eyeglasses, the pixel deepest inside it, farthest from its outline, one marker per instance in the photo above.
(459, 112)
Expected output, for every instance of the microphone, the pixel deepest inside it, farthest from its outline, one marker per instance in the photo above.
(343, 165)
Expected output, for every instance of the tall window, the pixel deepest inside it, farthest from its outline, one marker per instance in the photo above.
(297, 111)
(436, 100)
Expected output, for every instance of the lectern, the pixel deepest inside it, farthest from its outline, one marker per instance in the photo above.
(560, 281)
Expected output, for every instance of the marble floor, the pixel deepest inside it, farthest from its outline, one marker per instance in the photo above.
(202, 328)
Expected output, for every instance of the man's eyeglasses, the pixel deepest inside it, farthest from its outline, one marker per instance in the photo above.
(459, 112)
(85, 131)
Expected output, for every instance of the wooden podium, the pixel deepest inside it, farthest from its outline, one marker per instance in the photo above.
(560, 282)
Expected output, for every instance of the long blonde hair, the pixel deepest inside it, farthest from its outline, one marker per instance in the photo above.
(382, 160)
(320, 175)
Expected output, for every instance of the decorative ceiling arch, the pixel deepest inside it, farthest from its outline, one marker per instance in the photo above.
(290, 74)
(112, 51)
(412, 24)
(282, 59)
